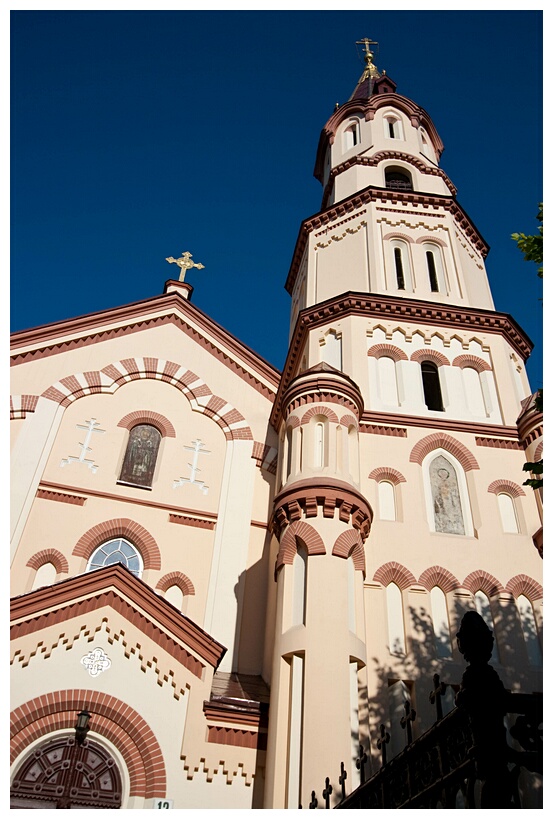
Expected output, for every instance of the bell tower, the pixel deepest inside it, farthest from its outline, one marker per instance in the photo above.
(396, 416)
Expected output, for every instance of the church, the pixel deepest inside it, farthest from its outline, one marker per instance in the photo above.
(226, 578)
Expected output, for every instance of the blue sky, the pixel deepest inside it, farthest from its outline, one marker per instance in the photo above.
(136, 135)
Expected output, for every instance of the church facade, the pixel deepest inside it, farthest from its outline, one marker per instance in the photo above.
(238, 574)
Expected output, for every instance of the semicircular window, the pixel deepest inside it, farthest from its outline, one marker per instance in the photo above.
(398, 180)
(114, 551)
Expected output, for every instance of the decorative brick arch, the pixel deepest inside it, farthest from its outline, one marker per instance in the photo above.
(510, 487)
(396, 235)
(349, 421)
(482, 581)
(438, 576)
(473, 361)
(146, 417)
(388, 350)
(20, 405)
(430, 240)
(111, 718)
(440, 440)
(522, 584)
(120, 527)
(395, 573)
(539, 451)
(298, 534)
(110, 378)
(430, 355)
(319, 410)
(387, 473)
(52, 556)
(293, 421)
(176, 579)
(348, 544)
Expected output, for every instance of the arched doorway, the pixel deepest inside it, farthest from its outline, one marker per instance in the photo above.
(61, 774)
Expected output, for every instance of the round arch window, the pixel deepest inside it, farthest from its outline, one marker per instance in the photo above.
(114, 551)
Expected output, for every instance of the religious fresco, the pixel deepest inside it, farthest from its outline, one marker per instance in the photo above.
(140, 457)
(446, 500)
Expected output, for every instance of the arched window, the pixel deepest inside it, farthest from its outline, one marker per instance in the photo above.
(473, 392)
(351, 594)
(484, 610)
(529, 630)
(508, 513)
(289, 433)
(351, 135)
(141, 455)
(45, 576)
(300, 587)
(387, 380)
(392, 127)
(432, 272)
(331, 349)
(114, 551)
(446, 497)
(431, 386)
(440, 622)
(320, 442)
(396, 628)
(398, 179)
(386, 501)
(401, 276)
(175, 596)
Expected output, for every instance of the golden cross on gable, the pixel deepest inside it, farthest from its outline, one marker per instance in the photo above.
(185, 263)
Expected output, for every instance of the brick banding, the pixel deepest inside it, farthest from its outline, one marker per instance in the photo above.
(20, 405)
(58, 560)
(147, 417)
(349, 421)
(61, 497)
(125, 528)
(482, 581)
(441, 441)
(349, 543)
(118, 722)
(319, 410)
(388, 351)
(438, 576)
(510, 487)
(394, 572)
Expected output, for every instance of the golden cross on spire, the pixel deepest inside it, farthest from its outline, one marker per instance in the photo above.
(185, 263)
(370, 69)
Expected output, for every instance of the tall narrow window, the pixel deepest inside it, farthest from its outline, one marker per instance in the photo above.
(473, 392)
(484, 610)
(396, 628)
(529, 630)
(431, 386)
(289, 433)
(400, 275)
(331, 349)
(318, 459)
(432, 273)
(141, 455)
(440, 622)
(507, 513)
(386, 501)
(446, 498)
(300, 587)
(387, 381)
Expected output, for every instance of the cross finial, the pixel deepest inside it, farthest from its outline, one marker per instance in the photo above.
(327, 792)
(370, 68)
(185, 263)
(367, 42)
(342, 779)
(406, 721)
(360, 763)
(314, 801)
(382, 741)
(437, 694)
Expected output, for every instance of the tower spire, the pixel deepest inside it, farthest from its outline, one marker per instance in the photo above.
(370, 72)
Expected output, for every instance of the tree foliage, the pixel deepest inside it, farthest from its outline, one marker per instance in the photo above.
(532, 246)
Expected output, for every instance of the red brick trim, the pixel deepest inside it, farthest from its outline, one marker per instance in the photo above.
(395, 234)
(431, 240)
(176, 579)
(146, 417)
(428, 354)
(312, 387)
(110, 717)
(522, 584)
(187, 520)
(482, 581)
(497, 443)
(292, 421)
(386, 473)
(438, 576)
(298, 534)
(349, 421)
(382, 429)
(350, 543)
(395, 573)
(234, 711)
(510, 487)
(388, 350)
(61, 497)
(319, 410)
(441, 441)
(120, 527)
(471, 361)
(539, 451)
(58, 560)
(240, 738)
(20, 405)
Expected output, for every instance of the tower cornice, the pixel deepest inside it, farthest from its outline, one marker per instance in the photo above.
(376, 194)
(406, 310)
